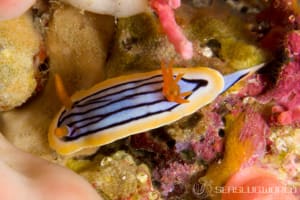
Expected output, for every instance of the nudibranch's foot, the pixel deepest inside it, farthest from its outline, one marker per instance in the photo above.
(171, 89)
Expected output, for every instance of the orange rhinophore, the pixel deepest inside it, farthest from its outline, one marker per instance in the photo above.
(62, 93)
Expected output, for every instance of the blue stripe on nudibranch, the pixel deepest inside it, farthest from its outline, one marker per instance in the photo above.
(122, 88)
(121, 106)
(127, 105)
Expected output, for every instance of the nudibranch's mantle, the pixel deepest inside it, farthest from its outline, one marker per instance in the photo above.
(123, 106)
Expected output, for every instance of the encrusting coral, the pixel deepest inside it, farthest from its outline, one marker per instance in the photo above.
(19, 44)
(117, 176)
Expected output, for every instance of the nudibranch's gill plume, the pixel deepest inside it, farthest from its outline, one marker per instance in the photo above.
(170, 87)
(123, 106)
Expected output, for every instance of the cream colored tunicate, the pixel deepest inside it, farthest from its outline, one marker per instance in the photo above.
(19, 43)
(117, 8)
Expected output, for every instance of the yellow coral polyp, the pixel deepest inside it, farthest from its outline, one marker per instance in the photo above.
(171, 89)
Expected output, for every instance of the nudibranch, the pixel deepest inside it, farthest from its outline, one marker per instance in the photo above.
(131, 104)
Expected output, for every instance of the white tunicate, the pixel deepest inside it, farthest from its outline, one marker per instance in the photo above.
(117, 8)
(207, 52)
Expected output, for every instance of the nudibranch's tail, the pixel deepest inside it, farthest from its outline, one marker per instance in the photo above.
(62, 93)
(231, 79)
(171, 89)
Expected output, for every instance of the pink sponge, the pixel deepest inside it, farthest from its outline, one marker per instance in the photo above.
(164, 10)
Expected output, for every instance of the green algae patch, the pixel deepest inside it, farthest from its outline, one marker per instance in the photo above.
(205, 28)
(140, 44)
(137, 40)
(240, 55)
(236, 48)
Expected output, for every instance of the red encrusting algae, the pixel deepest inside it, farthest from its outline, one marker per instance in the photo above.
(281, 16)
(286, 93)
(175, 175)
(245, 144)
(211, 145)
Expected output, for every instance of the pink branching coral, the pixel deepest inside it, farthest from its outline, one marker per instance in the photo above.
(164, 10)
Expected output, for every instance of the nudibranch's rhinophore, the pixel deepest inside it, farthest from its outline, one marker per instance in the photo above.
(127, 105)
